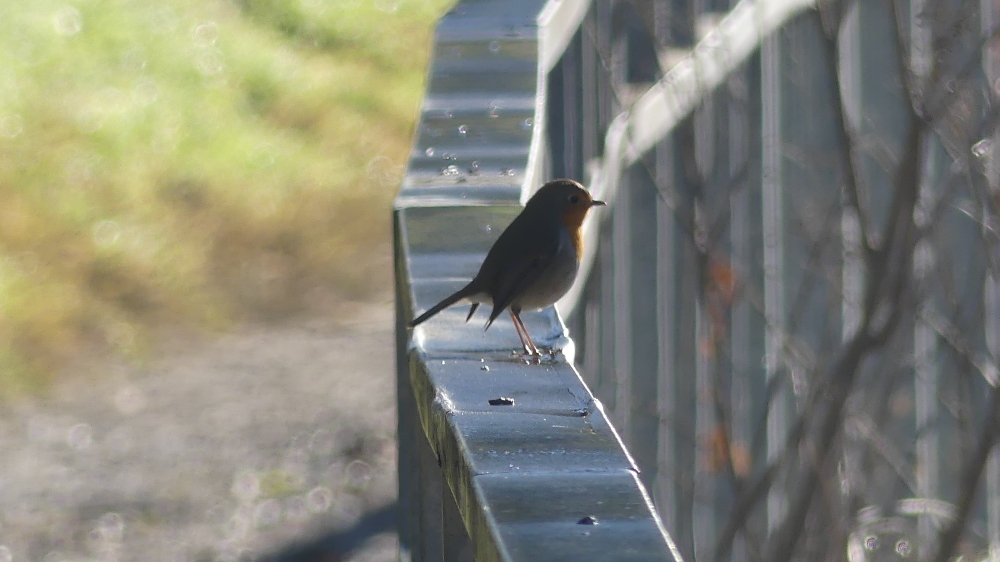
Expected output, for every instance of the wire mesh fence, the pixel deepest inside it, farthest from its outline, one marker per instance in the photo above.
(794, 311)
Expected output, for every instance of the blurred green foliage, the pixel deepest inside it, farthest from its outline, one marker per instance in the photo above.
(193, 162)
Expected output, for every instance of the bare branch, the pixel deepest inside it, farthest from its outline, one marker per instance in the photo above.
(971, 475)
(889, 269)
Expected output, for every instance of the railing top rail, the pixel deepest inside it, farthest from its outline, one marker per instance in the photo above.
(490, 62)
(714, 58)
(536, 470)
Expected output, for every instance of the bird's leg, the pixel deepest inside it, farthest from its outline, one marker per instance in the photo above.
(517, 328)
(522, 333)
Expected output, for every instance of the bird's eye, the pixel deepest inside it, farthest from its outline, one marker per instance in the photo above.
(574, 198)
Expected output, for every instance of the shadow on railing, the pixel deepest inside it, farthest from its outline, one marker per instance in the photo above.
(797, 238)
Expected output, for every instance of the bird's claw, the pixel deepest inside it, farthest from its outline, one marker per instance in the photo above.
(537, 356)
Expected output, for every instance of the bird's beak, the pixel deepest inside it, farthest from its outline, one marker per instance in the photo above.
(597, 203)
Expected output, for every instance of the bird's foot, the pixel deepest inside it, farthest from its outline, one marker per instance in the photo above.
(537, 356)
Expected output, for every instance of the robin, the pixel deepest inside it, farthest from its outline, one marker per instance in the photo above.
(533, 263)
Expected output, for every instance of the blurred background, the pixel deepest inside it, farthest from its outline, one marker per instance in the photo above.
(194, 239)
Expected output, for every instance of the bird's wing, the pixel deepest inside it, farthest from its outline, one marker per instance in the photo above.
(514, 281)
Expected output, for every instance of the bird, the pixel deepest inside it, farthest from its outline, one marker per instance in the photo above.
(534, 261)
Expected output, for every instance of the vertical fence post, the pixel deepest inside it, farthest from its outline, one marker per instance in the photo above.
(774, 257)
(678, 282)
(431, 507)
(456, 545)
(407, 424)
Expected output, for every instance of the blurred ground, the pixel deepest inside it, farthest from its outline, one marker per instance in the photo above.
(231, 449)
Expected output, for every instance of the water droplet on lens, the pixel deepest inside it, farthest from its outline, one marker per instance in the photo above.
(210, 63)
(382, 170)
(982, 148)
(319, 499)
(494, 46)
(68, 21)
(134, 60)
(463, 129)
(903, 547)
(205, 34)
(506, 171)
(474, 168)
(527, 123)
(871, 542)
(106, 233)
(80, 436)
(111, 526)
(322, 441)
(449, 170)
(429, 151)
(358, 474)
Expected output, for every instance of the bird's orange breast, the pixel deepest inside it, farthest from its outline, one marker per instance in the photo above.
(573, 220)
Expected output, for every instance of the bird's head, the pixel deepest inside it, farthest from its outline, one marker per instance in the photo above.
(566, 199)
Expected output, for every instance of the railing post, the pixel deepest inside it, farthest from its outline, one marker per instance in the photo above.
(456, 545)
(407, 429)
(432, 490)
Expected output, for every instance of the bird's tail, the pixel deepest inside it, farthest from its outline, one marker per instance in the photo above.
(451, 299)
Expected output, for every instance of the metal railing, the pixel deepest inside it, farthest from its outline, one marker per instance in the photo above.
(790, 312)
(497, 460)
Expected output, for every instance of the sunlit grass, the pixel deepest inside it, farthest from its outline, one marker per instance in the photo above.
(191, 162)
